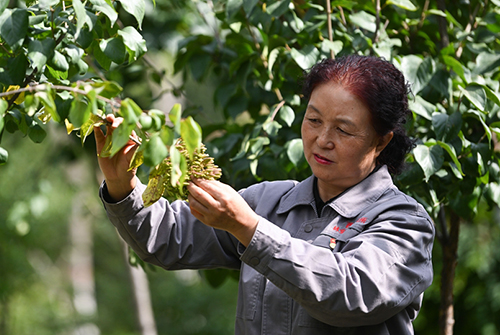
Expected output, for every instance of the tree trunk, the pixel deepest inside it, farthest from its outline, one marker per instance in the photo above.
(449, 244)
(81, 263)
(142, 298)
(443, 25)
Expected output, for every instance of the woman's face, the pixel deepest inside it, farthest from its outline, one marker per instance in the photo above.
(340, 143)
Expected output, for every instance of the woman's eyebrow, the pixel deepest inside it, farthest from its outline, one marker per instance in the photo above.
(313, 107)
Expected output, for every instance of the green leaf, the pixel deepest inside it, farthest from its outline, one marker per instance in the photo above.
(14, 27)
(2, 118)
(4, 156)
(16, 70)
(493, 96)
(249, 5)
(101, 57)
(175, 117)
(306, 57)
(271, 127)
(451, 151)
(155, 151)
(121, 136)
(446, 127)
(335, 46)
(486, 62)
(130, 111)
(107, 89)
(79, 112)
(417, 71)
(364, 20)
(456, 66)
(476, 95)
(40, 51)
(232, 7)
(49, 104)
(136, 8)
(465, 205)
(59, 62)
(480, 117)
(492, 191)
(135, 43)
(287, 114)
(295, 150)
(3, 107)
(36, 133)
(46, 4)
(422, 108)
(3, 5)
(106, 7)
(405, 4)
(114, 49)
(191, 135)
(81, 16)
(278, 8)
(430, 159)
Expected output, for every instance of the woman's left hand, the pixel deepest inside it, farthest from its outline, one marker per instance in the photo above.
(219, 206)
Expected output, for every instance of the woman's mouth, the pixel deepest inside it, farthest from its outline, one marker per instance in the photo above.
(322, 160)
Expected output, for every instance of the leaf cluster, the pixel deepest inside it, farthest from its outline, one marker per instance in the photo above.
(53, 55)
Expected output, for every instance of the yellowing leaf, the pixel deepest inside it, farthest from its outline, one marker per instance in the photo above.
(20, 98)
(137, 160)
(88, 127)
(153, 191)
(108, 144)
(69, 126)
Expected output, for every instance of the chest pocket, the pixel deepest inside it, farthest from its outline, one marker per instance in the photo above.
(339, 231)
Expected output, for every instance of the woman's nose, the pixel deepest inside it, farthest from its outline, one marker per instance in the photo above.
(325, 140)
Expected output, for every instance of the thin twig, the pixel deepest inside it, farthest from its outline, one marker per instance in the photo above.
(330, 30)
(342, 16)
(276, 110)
(377, 22)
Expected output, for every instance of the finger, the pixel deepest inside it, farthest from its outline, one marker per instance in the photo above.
(100, 140)
(213, 187)
(197, 209)
(200, 196)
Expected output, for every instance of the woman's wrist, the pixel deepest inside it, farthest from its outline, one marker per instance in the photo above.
(119, 190)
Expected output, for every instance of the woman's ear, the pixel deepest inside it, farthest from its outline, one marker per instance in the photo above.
(383, 141)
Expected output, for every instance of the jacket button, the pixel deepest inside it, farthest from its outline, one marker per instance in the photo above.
(254, 261)
(308, 228)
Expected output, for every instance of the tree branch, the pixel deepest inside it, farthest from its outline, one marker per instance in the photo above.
(377, 22)
(443, 30)
(329, 22)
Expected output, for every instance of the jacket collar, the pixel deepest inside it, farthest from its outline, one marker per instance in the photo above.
(351, 203)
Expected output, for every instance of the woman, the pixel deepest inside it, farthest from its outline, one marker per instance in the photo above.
(342, 252)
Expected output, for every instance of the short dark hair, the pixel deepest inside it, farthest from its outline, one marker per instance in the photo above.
(382, 88)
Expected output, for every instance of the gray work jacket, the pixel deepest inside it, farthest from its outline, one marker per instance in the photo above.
(360, 267)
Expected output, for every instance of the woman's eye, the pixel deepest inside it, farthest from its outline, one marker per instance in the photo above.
(342, 131)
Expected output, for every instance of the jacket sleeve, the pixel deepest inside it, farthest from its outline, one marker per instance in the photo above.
(375, 275)
(167, 235)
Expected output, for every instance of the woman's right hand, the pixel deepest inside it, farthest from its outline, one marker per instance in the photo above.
(119, 181)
